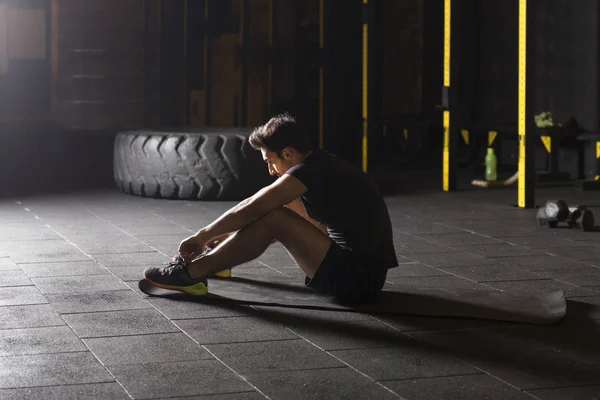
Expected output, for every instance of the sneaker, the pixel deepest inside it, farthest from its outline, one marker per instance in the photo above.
(176, 277)
(226, 273)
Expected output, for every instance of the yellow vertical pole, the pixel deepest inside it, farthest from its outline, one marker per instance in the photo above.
(365, 99)
(321, 45)
(521, 120)
(446, 113)
(597, 161)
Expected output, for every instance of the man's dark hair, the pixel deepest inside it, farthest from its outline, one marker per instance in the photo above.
(280, 132)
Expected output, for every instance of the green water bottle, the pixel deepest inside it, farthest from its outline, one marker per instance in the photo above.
(490, 165)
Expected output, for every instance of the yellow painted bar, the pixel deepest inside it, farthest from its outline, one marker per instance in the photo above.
(365, 94)
(547, 141)
(522, 98)
(597, 159)
(446, 114)
(465, 135)
(491, 137)
(321, 44)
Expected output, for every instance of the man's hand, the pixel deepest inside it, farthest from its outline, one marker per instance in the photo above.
(192, 247)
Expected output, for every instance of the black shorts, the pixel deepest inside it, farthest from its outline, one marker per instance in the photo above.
(349, 280)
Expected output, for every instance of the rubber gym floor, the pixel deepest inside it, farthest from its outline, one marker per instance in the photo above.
(74, 325)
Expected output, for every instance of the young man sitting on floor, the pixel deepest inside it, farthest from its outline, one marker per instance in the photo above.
(326, 212)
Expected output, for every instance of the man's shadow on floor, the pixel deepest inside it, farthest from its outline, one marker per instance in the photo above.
(533, 350)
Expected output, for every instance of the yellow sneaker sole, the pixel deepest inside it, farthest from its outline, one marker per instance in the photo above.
(226, 273)
(199, 289)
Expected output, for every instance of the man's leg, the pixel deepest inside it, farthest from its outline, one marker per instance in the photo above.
(306, 244)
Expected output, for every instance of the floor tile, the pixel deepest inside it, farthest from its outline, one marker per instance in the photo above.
(541, 285)
(414, 269)
(55, 339)
(455, 259)
(540, 263)
(579, 253)
(254, 395)
(424, 228)
(333, 383)
(79, 284)
(38, 251)
(96, 301)
(44, 270)
(456, 387)
(21, 295)
(582, 392)
(272, 355)
(25, 231)
(542, 242)
(185, 379)
(129, 273)
(491, 273)
(128, 259)
(441, 282)
(343, 335)
(234, 329)
(139, 349)
(96, 391)
(29, 316)
(186, 309)
(407, 323)
(463, 238)
(496, 250)
(14, 278)
(422, 247)
(7, 264)
(404, 362)
(513, 356)
(580, 277)
(119, 323)
(151, 232)
(51, 369)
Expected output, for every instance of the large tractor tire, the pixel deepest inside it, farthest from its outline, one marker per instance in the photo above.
(211, 164)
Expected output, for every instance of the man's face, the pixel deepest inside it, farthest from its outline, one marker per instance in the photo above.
(277, 165)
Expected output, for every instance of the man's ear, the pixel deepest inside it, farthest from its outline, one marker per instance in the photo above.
(287, 153)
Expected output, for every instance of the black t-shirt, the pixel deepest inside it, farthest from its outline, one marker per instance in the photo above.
(345, 200)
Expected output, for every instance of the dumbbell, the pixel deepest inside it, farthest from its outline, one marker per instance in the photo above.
(581, 218)
(553, 212)
(556, 211)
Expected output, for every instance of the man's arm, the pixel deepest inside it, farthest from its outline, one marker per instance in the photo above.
(281, 192)
(298, 207)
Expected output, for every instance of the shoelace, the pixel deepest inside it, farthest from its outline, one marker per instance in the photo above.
(175, 265)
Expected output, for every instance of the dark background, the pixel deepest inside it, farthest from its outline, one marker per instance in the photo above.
(114, 65)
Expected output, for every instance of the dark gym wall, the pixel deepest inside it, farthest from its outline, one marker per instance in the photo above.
(24, 60)
(497, 88)
(563, 53)
(566, 60)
